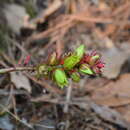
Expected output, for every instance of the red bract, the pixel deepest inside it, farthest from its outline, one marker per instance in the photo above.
(94, 61)
(87, 57)
(93, 53)
(61, 62)
(27, 59)
(24, 61)
(98, 66)
(72, 71)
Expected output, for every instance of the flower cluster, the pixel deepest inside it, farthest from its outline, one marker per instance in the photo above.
(70, 66)
(93, 62)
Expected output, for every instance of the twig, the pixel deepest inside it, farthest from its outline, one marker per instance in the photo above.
(11, 69)
(67, 124)
(86, 103)
(45, 126)
(15, 92)
(68, 97)
(17, 118)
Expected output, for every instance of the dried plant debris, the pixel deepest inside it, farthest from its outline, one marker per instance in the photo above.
(20, 81)
(15, 16)
(40, 27)
(5, 123)
(114, 60)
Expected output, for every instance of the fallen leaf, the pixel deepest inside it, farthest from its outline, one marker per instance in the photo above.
(114, 60)
(115, 93)
(104, 112)
(110, 115)
(125, 111)
(20, 81)
(15, 15)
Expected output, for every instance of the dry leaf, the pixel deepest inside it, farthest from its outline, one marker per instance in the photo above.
(20, 81)
(104, 112)
(115, 93)
(125, 111)
(15, 15)
(114, 60)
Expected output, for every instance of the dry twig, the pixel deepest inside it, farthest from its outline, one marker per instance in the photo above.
(11, 69)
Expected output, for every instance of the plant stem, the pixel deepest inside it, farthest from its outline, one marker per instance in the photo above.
(11, 69)
(68, 97)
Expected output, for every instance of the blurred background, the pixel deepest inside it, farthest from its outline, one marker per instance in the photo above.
(40, 27)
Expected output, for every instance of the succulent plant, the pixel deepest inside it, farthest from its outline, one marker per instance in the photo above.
(70, 66)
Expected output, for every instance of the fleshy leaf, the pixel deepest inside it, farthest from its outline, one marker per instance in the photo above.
(75, 76)
(52, 59)
(42, 70)
(60, 78)
(93, 59)
(73, 59)
(70, 62)
(84, 68)
(80, 51)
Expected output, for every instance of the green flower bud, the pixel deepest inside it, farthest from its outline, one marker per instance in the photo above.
(84, 68)
(53, 59)
(75, 76)
(73, 59)
(60, 78)
(42, 70)
(93, 59)
(80, 51)
(70, 62)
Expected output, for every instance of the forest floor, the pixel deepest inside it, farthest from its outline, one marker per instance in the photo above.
(35, 29)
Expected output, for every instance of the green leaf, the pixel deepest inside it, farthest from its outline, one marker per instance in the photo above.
(52, 59)
(75, 76)
(73, 59)
(42, 70)
(93, 59)
(80, 51)
(84, 68)
(60, 78)
(70, 62)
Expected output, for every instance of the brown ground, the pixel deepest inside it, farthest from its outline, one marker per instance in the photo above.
(96, 103)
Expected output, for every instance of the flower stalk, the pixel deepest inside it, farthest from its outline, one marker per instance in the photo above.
(11, 69)
(70, 66)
